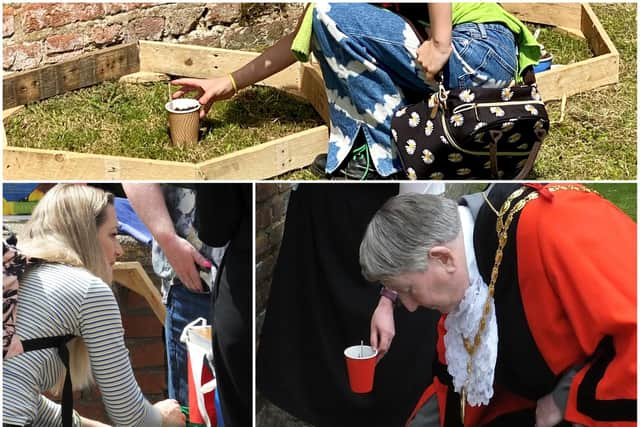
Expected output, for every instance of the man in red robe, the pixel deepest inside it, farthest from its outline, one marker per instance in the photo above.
(544, 333)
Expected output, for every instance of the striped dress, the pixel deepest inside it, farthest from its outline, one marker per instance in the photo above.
(59, 300)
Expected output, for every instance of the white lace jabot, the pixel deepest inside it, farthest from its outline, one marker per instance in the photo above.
(463, 321)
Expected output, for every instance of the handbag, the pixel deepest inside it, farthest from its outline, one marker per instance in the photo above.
(474, 133)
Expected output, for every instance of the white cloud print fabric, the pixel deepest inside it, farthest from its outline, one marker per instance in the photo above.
(365, 52)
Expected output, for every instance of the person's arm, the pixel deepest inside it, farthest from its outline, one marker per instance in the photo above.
(382, 326)
(434, 53)
(271, 61)
(101, 329)
(148, 202)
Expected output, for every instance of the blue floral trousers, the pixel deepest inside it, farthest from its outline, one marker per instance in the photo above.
(368, 57)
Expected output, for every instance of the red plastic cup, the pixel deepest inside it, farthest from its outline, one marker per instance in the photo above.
(361, 366)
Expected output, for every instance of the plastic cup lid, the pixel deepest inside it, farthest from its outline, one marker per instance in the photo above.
(182, 105)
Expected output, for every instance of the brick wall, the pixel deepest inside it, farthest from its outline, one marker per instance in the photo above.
(37, 34)
(271, 209)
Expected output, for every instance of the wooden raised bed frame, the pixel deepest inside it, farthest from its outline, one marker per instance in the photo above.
(268, 159)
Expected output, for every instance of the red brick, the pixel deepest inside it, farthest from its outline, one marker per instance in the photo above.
(130, 300)
(108, 34)
(64, 43)
(113, 8)
(147, 353)
(147, 28)
(8, 17)
(91, 409)
(265, 191)
(224, 13)
(141, 326)
(151, 381)
(22, 56)
(263, 216)
(38, 16)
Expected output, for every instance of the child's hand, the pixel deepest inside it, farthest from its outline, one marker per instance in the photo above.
(209, 90)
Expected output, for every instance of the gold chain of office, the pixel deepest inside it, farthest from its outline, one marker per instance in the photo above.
(502, 228)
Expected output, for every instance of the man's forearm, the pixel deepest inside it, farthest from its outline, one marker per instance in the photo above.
(148, 202)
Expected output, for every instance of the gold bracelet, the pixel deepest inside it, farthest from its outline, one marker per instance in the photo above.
(233, 83)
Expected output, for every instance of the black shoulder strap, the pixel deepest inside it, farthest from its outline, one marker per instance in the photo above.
(60, 343)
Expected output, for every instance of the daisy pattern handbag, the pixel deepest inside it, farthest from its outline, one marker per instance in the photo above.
(475, 133)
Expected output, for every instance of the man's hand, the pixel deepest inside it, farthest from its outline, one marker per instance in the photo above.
(382, 327)
(183, 257)
(547, 412)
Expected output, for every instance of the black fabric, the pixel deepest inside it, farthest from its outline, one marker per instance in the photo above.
(452, 415)
(60, 343)
(603, 410)
(516, 346)
(319, 304)
(225, 214)
(475, 133)
(218, 206)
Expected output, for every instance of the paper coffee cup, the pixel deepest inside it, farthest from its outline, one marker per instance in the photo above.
(184, 120)
(361, 364)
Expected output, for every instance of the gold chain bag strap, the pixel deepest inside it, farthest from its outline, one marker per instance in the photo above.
(502, 229)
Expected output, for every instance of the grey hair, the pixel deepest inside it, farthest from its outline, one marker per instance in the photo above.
(402, 232)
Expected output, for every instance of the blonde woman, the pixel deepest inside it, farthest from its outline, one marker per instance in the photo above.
(74, 228)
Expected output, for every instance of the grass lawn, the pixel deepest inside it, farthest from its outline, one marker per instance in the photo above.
(130, 120)
(623, 195)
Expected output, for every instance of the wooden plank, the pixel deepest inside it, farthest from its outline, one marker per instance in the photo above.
(567, 15)
(36, 164)
(578, 77)
(269, 159)
(86, 70)
(594, 32)
(207, 62)
(132, 276)
(313, 89)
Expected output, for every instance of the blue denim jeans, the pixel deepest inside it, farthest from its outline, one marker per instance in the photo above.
(368, 57)
(183, 307)
(483, 55)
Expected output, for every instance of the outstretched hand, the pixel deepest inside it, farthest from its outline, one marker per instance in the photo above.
(382, 327)
(208, 90)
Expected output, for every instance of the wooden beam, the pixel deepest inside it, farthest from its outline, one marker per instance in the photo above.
(565, 15)
(313, 89)
(36, 164)
(578, 77)
(207, 62)
(86, 70)
(594, 32)
(269, 159)
(132, 276)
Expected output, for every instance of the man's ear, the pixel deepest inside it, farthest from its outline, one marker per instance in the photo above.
(443, 256)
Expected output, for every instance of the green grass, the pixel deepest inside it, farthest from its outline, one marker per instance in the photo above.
(623, 195)
(130, 120)
(597, 138)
